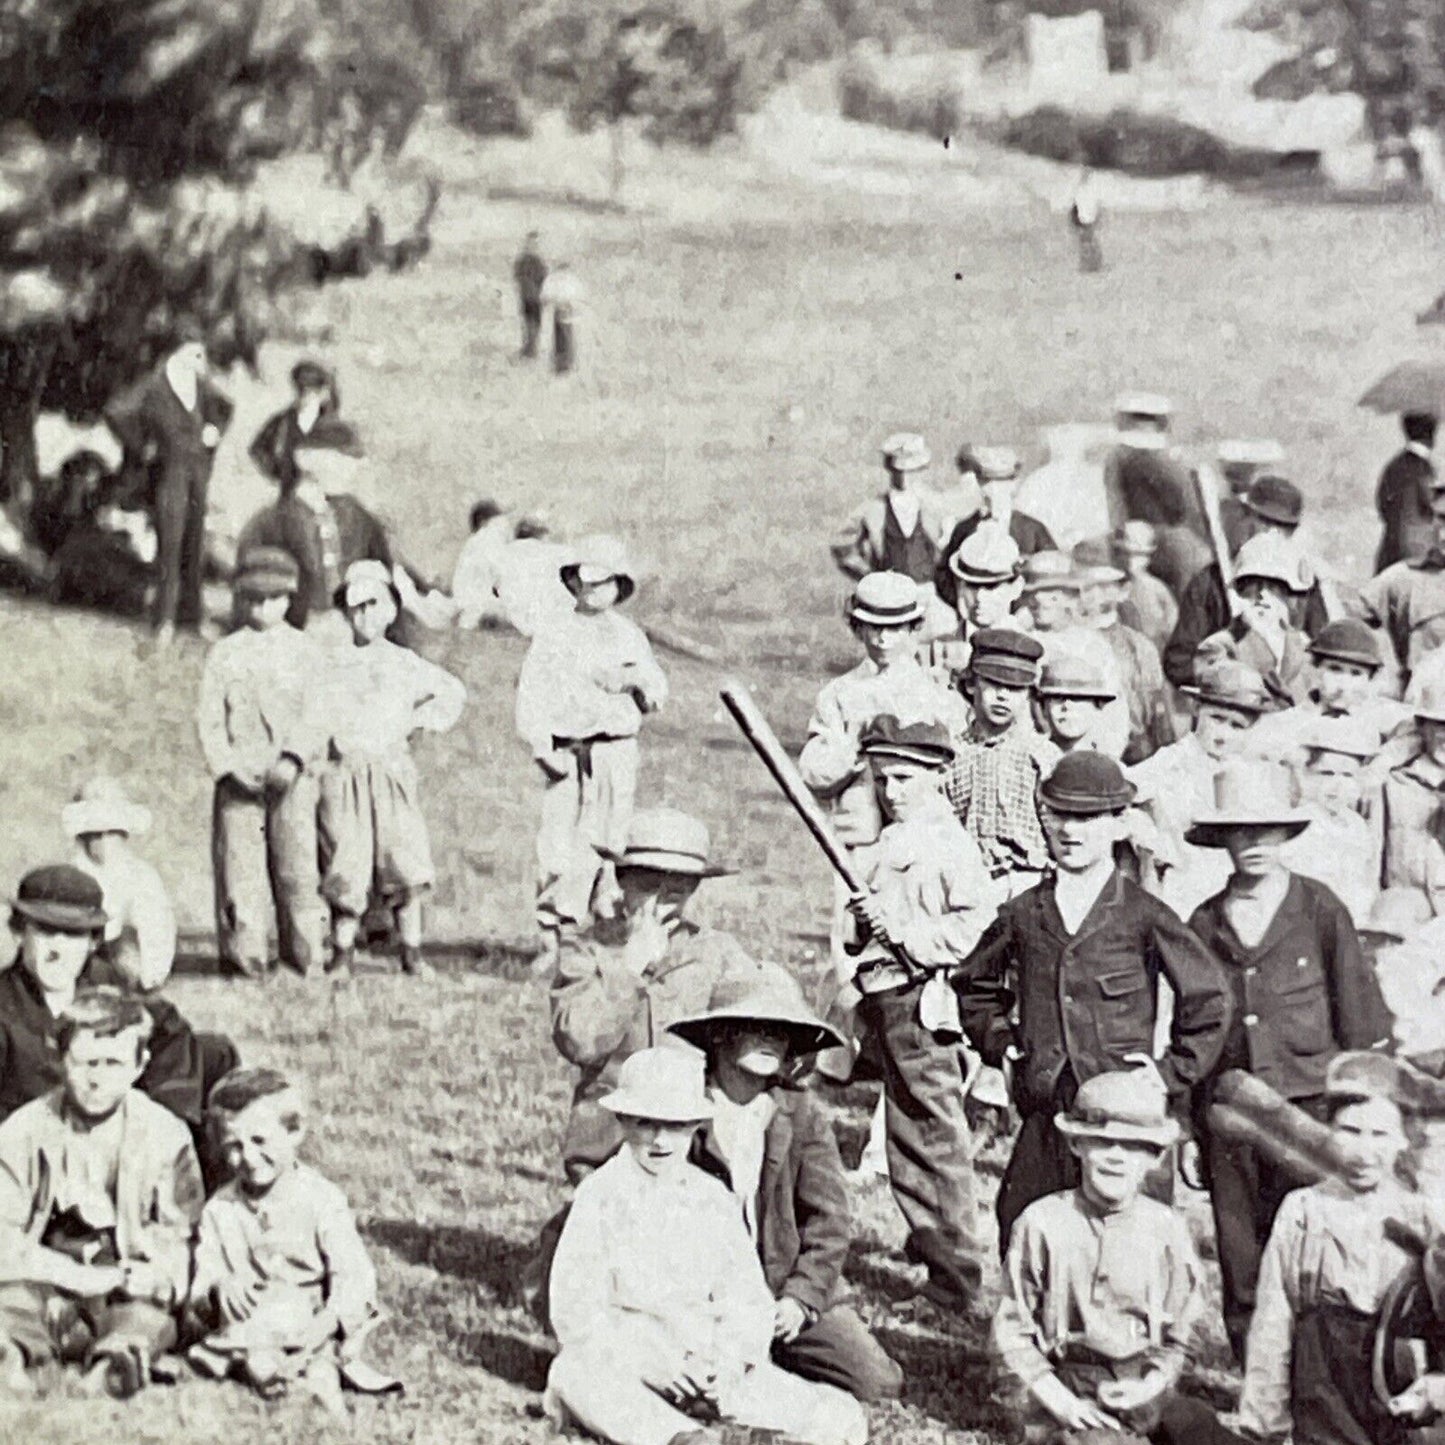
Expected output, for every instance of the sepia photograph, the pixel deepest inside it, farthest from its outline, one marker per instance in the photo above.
(724, 722)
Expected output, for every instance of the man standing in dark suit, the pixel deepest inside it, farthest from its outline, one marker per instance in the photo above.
(1403, 496)
(529, 271)
(169, 427)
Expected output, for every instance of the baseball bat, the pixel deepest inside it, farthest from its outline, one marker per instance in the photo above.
(755, 728)
(1206, 488)
(1246, 1110)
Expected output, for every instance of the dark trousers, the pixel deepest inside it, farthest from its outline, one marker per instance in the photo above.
(1245, 1192)
(1091, 254)
(930, 1149)
(1332, 1395)
(531, 327)
(564, 344)
(180, 523)
(837, 1349)
(46, 1324)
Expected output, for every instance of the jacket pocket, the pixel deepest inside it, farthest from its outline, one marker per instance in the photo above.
(1126, 1007)
(1302, 1011)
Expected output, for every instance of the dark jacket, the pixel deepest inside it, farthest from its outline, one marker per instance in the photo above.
(30, 1061)
(804, 1226)
(1086, 1001)
(1402, 498)
(274, 448)
(1300, 997)
(529, 271)
(1029, 536)
(1204, 610)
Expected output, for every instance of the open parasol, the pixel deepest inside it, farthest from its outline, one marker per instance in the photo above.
(1413, 386)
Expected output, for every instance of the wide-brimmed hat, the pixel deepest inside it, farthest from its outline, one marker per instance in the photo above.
(1269, 557)
(1275, 499)
(1253, 452)
(1003, 655)
(669, 841)
(1070, 676)
(1398, 913)
(266, 572)
(763, 994)
(1248, 793)
(101, 806)
(905, 451)
(1231, 684)
(1093, 560)
(1050, 571)
(1124, 1105)
(61, 897)
(886, 599)
(599, 559)
(1430, 705)
(367, 581)
(666, 1084)
(924, 742)
(1085, 784)
(987, 557)
(1351, 737)
(1347, 639)
(1136, 537)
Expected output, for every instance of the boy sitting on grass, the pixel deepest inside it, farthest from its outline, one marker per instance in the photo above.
(99, 1191)
(283, 1287)
(1101, 1285)
(658, 1298)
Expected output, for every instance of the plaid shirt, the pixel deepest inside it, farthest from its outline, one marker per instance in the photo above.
(993, 786)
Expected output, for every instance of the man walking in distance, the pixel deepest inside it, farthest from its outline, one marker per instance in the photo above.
(529, 271)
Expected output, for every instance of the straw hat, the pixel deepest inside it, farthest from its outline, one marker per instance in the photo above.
(1361, 1075)
(886, 599)
(1093, 559)
(1250, 452)
(764, 994)
(102, 806)
(987, 557)
(1136, 537)
(905, 451)
(1431, 704)
(1050, 571)
(1349, 736)
(663, 1084)
(1247, 794)
(670, 841)
(1268, 556)
(995, 464)
(1120, 1105)
(597, 559)
(61, 897)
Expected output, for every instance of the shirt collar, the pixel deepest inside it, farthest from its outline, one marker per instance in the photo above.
(1420, 450)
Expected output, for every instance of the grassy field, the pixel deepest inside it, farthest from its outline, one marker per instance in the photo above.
(739, 366)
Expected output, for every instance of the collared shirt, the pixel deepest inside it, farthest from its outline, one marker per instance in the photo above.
(993, 786)
(1414, 793)
(1420, 450)
(1407, 599)
(1122, 1285)
(739, 1132)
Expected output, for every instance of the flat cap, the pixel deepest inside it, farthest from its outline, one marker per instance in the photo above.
(1002, 655)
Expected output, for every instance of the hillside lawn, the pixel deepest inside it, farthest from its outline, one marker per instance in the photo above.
(736, 378)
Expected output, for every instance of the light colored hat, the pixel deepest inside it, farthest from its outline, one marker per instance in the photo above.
(1250, 452)
(1248, 793)
(996, 464)
(1353, 737)
(1136, 536)
(1398, 913)
(666, 1084)
(987, 557)
(102, 806)
(1069, 676)
(1123, 1104)
(1269, 556)
(670, 841)
(1229, 683)
(1094, 560)
(765, 994)
(1050, 572)
(1143, 403)
(886, 599)
(906, 451)
(1431, 706)
(1360, 1074)
(596, 559)
(368, 581)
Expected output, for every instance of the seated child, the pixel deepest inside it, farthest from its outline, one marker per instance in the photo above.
(1101, 1284)
(657, 1297)
(283, 1287)
(99, 1191)
(1325, 1272)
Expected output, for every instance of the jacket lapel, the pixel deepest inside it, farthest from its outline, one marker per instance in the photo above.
(1100, 910)
(777, 1145)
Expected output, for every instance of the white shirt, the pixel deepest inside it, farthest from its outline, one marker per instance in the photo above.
(183, 381)
(136, 901)
(1076, 893)
(378, 695)
(906, 508)
(740, 1131)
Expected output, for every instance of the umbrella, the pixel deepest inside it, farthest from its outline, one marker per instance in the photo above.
(1413, 386)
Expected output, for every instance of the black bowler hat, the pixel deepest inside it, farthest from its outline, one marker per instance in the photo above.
(1002, 655)
(1086, 784)
(62, 898)
(1275, 500)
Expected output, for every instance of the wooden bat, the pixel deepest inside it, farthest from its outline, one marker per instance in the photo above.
(1247, 1111)
(1206, 488)
(755, 728)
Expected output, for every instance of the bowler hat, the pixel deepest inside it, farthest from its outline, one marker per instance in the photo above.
(665, 1084)
(987, 557)
(1093, 558)
(1275, 499)
(1430, 705)
(266, 572)
(596, 559)
(62, 898)
(905, 451)
(1069, 676)
(1347, 639)
(669, 841)
(1271, 558)
(1248, 793)
(1123, 1105)
(886, 599)
(1002, 655)
(764, 994)
(1086, 784)
(1230, 684)
(1050, 571)
(101, 806)
(926, 743)
(1143, 403)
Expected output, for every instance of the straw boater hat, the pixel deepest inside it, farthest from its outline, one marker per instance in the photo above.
(1002, 655)
(665, 1084)
(1231, 684)
(1351, 737)
(101, 806)
(1069, 676)
(995, 464)
(1119, 1105)
(266, 572)
(764, 994)
(60, 897)
(886, 599)
(1269, 557)
(1051, 572)
(1137, 407)
(669, 841)
(1347, 639)
(987, 557)
(1247, 794)
(1086, 784)
(926, 743)
(1275, 499)
(599, 559)
(905, 451)
(1250, 453)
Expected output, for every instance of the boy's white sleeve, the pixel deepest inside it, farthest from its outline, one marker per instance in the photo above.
(350, 1276)
(580, 1292)
(536, 693)
(441, 696)
(745, 1304)
(1016, 1333)
(1264, 1402)
(155, 927)
(830, 759)
(938, 940)
(650, 680)
(211, 717)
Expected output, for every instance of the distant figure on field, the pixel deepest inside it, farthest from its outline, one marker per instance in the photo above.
(509, 573)
(1402, 497)
(1085, 215)
(274, 449)
(100, 538)
(529, 271)
(562, 291)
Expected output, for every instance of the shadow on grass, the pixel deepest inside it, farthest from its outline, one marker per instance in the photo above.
(497, 1265)
(553, 196)
(510, 1357)
(509, 959)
